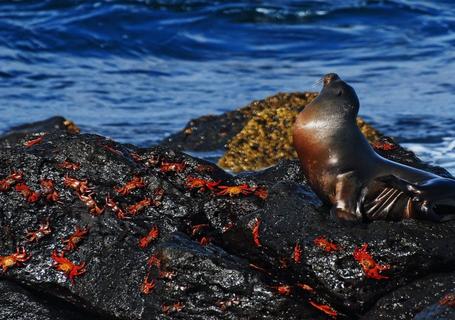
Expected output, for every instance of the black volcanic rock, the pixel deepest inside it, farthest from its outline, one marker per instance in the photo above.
(218, 270)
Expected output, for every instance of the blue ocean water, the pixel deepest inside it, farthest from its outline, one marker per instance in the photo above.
(138, 70)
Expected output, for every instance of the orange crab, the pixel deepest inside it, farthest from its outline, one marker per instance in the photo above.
(80, 186)
(235, 190)
(133, 184)
(27, 193)
(110, 203)
(297, 254)
(9, 181)
(324, 244)
(283, 289)
(14, 259)
(172, 166)
(153, 234)
(324, 308)
(135, 208)
(32, 142)
(43, 230)
(148, 286)
(255, 232)
(70, 269)
(176, 307)
(48, 189)
(68, 165)
(75, 238)
(369, 266)
(91, 204)
(201, 184)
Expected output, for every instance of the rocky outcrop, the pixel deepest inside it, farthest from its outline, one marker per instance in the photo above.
(266, 249)
(255, 136)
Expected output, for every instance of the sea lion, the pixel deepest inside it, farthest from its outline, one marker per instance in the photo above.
(346, 173)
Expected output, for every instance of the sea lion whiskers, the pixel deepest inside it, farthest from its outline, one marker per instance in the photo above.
(318, 82)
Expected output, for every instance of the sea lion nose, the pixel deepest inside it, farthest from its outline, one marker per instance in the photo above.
(329, 77)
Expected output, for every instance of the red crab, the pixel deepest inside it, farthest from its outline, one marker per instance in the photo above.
(110, 203)
(166, 275)
(158, 194)
(136, 157)
(70, 269)
(152, 235)
(135, 183)
(205, 241)
(324, 308)
(224, 305)
(91, 204)
(235, 190)
(152, 161)
(48, 189)
(32, 142)
(27, 193)
(9, 181)
(75, 238)
(44, 229)
(261, 192)
(204, 168)
(324, 244)
(297, 254)
(448, 300)
(135, 208)
(172, 166)
(384, 145)
(258, 268)
(369, 266)
(255, 232)
(201, 184)
(68, 165)
(148, 286)
(283, 289)
(305, 287)
(176, 307)
(198, 227)
(112, 150)
(14, 259)
(154, 261)
(80, 186)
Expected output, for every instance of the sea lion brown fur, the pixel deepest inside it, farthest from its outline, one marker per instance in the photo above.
(346, 173)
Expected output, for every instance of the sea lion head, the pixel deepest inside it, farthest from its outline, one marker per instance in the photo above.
(336, 98)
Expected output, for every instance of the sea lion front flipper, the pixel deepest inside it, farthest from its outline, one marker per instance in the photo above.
(347, 193)
(434, 189)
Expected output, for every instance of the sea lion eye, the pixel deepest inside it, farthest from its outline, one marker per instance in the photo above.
(340, 92)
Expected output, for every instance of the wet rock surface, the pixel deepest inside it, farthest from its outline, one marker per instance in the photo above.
(266, 250)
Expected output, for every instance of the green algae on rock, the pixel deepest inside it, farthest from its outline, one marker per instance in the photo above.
(267, 136)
